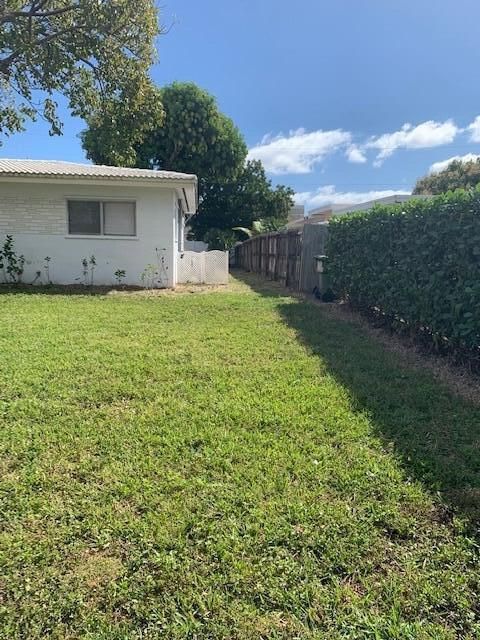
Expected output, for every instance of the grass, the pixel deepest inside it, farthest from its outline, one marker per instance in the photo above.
(236, 464)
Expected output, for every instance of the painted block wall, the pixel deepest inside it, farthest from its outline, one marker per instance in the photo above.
(36, 216)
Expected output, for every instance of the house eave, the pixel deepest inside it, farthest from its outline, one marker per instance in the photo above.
(171, 183)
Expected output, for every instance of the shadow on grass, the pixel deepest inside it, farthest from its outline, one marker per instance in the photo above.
(436, 433)
(268, 288)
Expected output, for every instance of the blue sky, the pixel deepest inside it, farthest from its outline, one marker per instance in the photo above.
(341, 99)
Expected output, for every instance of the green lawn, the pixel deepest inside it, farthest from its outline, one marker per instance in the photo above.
(233, 464)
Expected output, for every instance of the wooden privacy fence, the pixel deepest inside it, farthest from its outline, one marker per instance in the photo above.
(274, 255)
(314, 240)
(285, 256)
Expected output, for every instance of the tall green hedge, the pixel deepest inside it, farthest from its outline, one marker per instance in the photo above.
(416, 263)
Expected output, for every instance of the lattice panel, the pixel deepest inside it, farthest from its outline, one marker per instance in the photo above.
(206, 267)
(216, 267)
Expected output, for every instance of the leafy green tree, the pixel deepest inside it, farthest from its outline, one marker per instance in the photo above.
(242, 202)
(194, 136)
(220, 239)
(122, 124)
(89, 51)
(258, 227)
(458, 175)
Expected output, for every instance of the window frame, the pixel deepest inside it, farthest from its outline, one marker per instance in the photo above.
(102, 202)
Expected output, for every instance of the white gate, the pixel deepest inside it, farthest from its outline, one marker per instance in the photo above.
(205, 267)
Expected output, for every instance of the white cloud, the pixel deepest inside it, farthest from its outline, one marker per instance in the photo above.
(329, 195)
(474, 129)
(298, 151)
(424, 135)
(443, 164)
(355, 154)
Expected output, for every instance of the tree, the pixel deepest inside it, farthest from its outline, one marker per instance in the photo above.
(458, 175)
(240, 203)
(122, 124)
(90, 51)
(194, 136)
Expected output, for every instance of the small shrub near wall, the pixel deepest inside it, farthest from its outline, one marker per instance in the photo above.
(417, 264)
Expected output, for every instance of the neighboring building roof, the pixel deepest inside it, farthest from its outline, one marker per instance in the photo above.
(362, 206)
(324, 213)
(315, 216)
(328, 208)
(296, 216)
(321, 215)
(54, 168)
(297, 212)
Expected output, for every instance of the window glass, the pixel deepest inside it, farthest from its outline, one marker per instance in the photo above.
(84, 217)
(119, 218)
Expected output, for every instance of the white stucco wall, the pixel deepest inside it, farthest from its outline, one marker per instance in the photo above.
(36, 216)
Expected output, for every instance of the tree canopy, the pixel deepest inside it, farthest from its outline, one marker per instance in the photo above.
(458, 175)
(239, 203)
(121, 126)
(89, 51)
(193, 136)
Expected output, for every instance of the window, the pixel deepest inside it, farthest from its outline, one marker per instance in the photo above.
(109, 218)
(84, 217)
(119, 218)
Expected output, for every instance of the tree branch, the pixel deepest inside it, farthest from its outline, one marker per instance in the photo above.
(35, 13)
(41, 42)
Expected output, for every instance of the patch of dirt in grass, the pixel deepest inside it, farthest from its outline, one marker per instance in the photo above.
(179, 290)
(352, 589)
(276, 622)
(467, 499)
(123, 290)
(8, 471)
(95, 569)
(457, 379)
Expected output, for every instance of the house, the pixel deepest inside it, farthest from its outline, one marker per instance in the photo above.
(323, 214)
(129, 219)
(296, 213)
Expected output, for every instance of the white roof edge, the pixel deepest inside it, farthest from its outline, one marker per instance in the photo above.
(54, 169)
(326, 207)
(188, 193)
(396, 198)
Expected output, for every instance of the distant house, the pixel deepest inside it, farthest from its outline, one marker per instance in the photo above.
(323, 214)
(128, 219)
(296, 213)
